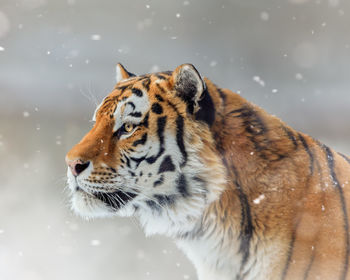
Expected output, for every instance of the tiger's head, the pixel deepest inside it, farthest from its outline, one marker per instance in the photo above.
(150, 153)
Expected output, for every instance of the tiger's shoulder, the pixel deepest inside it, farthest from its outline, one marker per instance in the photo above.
(288, 192)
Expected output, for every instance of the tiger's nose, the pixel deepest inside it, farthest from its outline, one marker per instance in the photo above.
(77, 166)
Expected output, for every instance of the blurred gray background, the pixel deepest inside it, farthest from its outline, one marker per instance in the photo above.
(57, 60)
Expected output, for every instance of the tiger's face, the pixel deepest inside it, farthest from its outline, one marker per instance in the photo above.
(147, 155)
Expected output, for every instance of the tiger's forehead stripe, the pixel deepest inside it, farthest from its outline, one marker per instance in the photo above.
(131, 98)
(132, 108)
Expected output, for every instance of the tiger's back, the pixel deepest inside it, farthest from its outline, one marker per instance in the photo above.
(292, 191)
(244, 195)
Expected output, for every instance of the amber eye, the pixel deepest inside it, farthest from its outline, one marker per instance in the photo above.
(128, 127)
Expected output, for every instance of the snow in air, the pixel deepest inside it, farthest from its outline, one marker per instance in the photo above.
(213, 63)
(259, 80)
(95, 37)
(298, 76)
(264, 16)
(95, 242)
(259, 199)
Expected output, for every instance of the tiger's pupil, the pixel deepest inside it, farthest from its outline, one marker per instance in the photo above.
(128, 127)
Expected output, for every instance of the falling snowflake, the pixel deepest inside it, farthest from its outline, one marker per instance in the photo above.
(259, 199)
(298, 76)
(95, 242)
(213, 63)
(95, 37)
(259, 80)
(264, 16)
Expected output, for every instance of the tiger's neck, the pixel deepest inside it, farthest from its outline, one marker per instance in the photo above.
(242, 133)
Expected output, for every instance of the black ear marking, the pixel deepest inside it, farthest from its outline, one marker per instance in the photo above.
(206, 112)
(188, 85)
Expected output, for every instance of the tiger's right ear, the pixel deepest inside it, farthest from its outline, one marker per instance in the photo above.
(188, 85)
(122, 73)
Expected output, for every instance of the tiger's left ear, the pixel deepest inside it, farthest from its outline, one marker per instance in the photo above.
(188, 85)
(122, 73)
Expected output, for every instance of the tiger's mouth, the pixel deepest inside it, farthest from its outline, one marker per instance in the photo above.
(114, 200)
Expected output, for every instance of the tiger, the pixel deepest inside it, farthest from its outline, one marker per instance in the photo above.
(241, 193)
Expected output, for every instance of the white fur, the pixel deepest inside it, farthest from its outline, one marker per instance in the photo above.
(118, 74)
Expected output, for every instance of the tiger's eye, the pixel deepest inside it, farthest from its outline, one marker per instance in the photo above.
(128, 127)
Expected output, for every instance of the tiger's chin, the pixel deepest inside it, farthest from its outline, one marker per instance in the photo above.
(89, 207)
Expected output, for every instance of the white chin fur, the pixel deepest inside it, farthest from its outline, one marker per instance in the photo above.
(88, 207)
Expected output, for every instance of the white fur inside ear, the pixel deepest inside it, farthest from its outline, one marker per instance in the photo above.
(193, 73)
(118, 74)
(190, 85)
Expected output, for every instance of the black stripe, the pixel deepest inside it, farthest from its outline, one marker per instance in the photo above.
(136, 114)
(222, 95)
(160, 181)
(236, 111)
(141, 141)
(113, 170)
(123, 88)
(333, 176)
(179, 138)
(206, 112)
(165, 200)
(166, 165)
(159, 98)
(144, 122)
(131, 104)
(157, 108)
(291, 136)
(247, 229)
(161, 89)
(167, 73)
(289, 256)
(127, 162)
(307, 149)
(130, 74)
(116, 199)
(146, 83)
(137, 160)
(160, 76)
(153, 205)
(172, 105)
(137, 92)
(161, 122)
(246, 232)
(345, 157)
(181, 184)
(307, 271)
